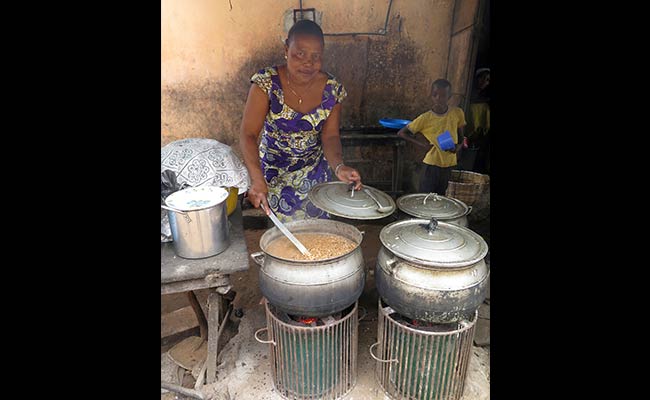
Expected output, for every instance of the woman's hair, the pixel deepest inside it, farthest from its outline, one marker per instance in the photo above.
(305, 27)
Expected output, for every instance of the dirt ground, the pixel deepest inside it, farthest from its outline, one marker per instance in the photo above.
(248, 299)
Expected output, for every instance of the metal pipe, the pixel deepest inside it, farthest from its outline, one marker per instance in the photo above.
(182, 390)
(382, 32)
(451, 35)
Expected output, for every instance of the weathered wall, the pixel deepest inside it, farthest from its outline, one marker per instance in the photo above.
(458, 70)
(460, 65)
(210, 48)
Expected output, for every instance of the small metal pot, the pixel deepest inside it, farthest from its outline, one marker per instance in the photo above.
(432, 271)
(198, 221)
(312, 288)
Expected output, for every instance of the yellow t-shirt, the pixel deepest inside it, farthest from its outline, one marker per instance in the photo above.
(431, 125)
(478, 121)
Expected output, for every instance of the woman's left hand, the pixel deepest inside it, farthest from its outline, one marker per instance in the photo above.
(348, 174)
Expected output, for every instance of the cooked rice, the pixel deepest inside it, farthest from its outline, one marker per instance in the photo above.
(320, 245)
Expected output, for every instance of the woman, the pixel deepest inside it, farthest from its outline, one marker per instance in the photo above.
(297, 108)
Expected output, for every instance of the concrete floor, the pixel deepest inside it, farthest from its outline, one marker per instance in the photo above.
(244, 364)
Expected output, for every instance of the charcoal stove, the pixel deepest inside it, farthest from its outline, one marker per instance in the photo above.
(312, 358)
(420, 360)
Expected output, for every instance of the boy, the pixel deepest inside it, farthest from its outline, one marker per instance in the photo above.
(438, 163)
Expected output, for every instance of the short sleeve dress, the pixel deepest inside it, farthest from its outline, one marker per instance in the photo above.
(290, 150)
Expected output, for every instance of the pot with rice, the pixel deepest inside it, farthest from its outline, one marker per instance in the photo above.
(328, 281)
(332, 278)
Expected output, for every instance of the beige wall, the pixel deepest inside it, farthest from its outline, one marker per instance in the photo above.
(209, 51)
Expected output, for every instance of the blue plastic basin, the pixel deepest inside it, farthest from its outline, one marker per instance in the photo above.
(394, 123)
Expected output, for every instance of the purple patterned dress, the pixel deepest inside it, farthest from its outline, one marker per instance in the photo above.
(292, 156)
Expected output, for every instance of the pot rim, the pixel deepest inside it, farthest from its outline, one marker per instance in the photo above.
(316, 222)
(197, 209)
(444, 219)
(461, 204)
(222, 201)
(417, 262)
(321, 261)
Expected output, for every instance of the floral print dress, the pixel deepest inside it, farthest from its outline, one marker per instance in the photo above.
(291, 154)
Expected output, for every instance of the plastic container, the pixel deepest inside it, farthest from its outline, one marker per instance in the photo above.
(445, 141)
(394, 123)
(231, 200)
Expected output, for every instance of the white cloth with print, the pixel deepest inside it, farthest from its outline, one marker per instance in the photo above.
(201, 162)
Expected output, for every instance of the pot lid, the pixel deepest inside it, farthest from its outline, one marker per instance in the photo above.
(433, 243)
(427, 205)
(336, 199)
(196, 198)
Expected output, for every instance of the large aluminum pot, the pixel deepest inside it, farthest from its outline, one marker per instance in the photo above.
(312, 288)
(198, 221)
(433, 205)
(432, 271)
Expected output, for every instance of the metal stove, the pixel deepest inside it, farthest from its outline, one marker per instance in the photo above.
(418, 360)
(312, 358)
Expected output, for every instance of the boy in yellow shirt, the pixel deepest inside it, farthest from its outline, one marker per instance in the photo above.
(438, 163)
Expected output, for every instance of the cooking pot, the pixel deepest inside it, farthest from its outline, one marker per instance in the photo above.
(431, 271)
(307, 287)
(198, 221)
(433, 205)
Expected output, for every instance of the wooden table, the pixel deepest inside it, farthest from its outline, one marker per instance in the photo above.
(178, 274)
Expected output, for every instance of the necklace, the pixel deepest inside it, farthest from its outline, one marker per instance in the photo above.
(294, 92)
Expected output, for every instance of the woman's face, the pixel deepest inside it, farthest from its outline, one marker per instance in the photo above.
(304, 57)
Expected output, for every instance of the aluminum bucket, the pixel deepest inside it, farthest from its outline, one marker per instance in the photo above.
(198, 221)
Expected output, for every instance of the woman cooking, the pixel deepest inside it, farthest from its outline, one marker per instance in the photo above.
(297, 109)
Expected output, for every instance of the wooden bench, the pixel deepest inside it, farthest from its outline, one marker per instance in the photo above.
(178, 274)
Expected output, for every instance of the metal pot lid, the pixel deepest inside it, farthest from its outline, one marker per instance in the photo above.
(336, 199)
(427, 205)
(196, 198)
(433, 243)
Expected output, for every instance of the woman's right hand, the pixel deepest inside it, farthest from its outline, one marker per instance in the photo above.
(348, 175)
(257, 194)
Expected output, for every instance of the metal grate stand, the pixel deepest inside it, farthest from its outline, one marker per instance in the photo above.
(424, 363)
(317, 362)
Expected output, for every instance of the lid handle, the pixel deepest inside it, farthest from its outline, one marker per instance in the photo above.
(435, 197)
(432, 225)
